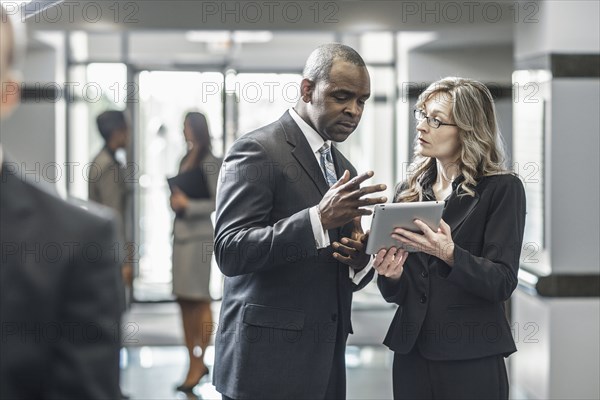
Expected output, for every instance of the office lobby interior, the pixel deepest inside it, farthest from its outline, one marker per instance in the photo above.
(240, 63)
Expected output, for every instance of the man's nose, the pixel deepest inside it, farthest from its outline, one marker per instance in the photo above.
(353, 108)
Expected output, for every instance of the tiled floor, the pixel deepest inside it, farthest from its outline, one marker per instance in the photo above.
(154, 359)
(153, 372)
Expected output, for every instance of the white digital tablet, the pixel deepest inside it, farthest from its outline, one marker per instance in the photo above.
(386, 217)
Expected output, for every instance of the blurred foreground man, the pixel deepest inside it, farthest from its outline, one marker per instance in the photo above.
(59, 279)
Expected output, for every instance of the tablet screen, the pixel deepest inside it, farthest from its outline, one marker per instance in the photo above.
(387, 217)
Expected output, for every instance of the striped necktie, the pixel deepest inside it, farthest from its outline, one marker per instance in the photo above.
(327, 164)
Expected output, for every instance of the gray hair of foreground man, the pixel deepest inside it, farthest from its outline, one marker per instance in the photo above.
(318, 65)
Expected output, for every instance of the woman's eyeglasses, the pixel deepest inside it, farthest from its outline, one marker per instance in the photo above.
(432, 122)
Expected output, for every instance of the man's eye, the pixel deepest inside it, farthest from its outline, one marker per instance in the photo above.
(341, 97)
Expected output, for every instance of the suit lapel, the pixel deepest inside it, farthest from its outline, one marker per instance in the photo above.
(302, 152)
(458, 209)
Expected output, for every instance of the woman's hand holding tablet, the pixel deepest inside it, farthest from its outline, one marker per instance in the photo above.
(388, 217)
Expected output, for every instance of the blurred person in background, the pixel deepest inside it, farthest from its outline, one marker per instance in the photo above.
(109, 184)
(193, 243)
(58, 278)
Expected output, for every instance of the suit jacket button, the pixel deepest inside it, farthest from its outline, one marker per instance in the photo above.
(424, 274)
(423, 299)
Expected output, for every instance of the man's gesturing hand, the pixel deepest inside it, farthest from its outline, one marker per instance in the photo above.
(352, 250)
(343, 200)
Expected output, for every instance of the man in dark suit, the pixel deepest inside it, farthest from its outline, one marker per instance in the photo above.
(59, 280)
(108, 182)
(286, 196)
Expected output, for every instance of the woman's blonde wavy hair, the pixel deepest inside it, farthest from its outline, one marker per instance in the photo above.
(481, 144)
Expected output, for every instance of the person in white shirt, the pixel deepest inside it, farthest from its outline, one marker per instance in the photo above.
(285, 198)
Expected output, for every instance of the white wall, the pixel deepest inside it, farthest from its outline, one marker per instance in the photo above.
(558, 26)
(29, 135)
(558, 352)
(486, 64)
(490, 65)
(574, 176)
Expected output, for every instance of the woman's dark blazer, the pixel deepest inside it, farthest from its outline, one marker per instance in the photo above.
(454, 313)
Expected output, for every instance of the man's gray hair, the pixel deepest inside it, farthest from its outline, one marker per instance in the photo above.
(318, 65)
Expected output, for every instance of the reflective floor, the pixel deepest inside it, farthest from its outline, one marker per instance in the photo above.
(154, 360)
(153, 372)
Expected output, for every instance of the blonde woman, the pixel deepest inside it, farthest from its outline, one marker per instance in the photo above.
(450, 334)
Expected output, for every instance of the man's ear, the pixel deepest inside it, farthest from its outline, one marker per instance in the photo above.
(11, 96)
(306, 90)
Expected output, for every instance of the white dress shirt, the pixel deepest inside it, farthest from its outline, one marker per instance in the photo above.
(322, 240)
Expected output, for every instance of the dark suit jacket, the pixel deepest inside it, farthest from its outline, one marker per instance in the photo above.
(108, 185)
(60, 305)
(283, 299)
(455, 313)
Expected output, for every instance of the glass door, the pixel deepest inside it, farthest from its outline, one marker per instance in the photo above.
(164, 99)
(251, 100)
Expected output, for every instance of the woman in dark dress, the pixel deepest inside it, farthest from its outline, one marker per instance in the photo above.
(192, 247)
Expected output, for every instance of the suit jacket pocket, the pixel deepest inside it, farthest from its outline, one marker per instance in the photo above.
(273, 317)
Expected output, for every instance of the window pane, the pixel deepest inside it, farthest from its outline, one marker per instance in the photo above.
(263, 98)
(377, 47)
(165, 97)
(95, 88)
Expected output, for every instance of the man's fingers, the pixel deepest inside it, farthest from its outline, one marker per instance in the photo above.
(347, 250)
(362, 211)
(369, 201)
(357, 180)
(353, 262)
(360, 192)
(343, 180)
(365, 238)
(343, 259)
(355, 244)
(357, 224)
